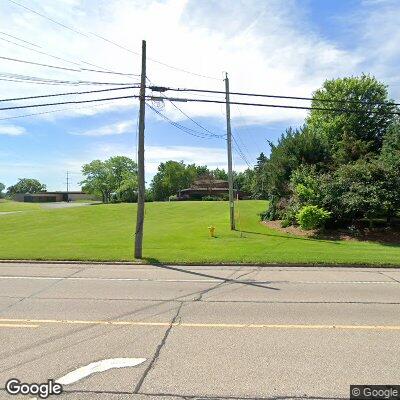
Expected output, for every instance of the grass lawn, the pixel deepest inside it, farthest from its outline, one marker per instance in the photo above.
(9, 205)
(174, 232)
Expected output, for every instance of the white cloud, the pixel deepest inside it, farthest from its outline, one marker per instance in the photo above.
(12, 130)
(265, 47)
(118, 128)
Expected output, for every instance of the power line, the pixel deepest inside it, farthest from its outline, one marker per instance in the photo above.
(191, 119)
(247, 131)
(48, 18)
(39, 80)
(70, 93)
(242, 143)
(68, 102)
(109, 41)
(274, 105)
(241, 152)
(65, 68)
(183, 128)
(62, 59)
(22, 40)
(152, 59)
(195, 122)
(51, 112)
(163, 89)
(61, 83)
(210, 101)
(40, 52)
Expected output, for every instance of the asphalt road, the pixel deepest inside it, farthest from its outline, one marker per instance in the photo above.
(204, 332)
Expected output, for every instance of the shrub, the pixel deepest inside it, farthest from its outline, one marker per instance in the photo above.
(211, 198)
(312, 217)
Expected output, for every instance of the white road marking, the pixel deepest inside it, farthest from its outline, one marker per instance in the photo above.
(98, 366)
(193, 280)
(110, 279)
(95, 367)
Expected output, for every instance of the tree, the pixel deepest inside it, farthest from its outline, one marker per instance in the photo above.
(295, 148)
(26, 185)
(345, 162)
(219, 174)
(117, 175)
(390, 153)
(351, 136)
(123, 177)
(2, 187)
(171, 177)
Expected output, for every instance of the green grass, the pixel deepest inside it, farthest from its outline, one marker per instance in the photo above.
(9, 205)
(174, 232)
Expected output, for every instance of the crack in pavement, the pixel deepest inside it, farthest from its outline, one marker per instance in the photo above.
(39, 291)
(203, 292)
(158, 350)
(390, 277)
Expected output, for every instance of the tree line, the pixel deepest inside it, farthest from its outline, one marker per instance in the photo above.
(339, 167)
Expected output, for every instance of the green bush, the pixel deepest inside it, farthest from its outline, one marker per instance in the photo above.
(312, 217)
(212, 198)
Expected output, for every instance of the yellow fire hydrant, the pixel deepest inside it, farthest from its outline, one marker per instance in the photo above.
(211, 229)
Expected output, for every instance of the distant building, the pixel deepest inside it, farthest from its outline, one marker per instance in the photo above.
(206, 186)
(47, 197)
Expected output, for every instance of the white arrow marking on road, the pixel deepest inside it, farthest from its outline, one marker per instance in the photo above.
(98, 366)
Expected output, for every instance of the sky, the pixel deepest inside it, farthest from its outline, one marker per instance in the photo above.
(286, 47)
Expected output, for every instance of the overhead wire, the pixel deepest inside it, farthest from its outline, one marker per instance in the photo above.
(69, 102)
(48, 18)
(109, 41)
(183, 128)
(66, 68)
(181, 99)
(5, 76)
(51, 112)
(273, 96)
(70, 93)
(22, 40)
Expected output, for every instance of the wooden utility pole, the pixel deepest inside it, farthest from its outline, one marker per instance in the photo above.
(229, 148)
(67, 186)
(141, 182)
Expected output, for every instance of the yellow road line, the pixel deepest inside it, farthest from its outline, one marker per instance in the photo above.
(18, 326)
(196, 325)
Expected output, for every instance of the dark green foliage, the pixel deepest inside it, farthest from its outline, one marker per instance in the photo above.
(345, 163)
(213, 198)
(26, 185)
(294, 148)
(2, 187)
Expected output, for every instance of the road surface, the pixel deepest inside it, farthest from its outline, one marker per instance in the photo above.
(204, 332)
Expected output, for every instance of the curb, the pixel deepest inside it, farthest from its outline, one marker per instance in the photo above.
(262, 265)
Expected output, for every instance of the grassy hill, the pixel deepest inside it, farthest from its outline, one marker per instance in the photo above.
(174, 232)
(8, 205)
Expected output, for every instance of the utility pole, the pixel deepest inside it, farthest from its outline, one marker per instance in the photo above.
(229, 148)
(67, 186)
(141, 182)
